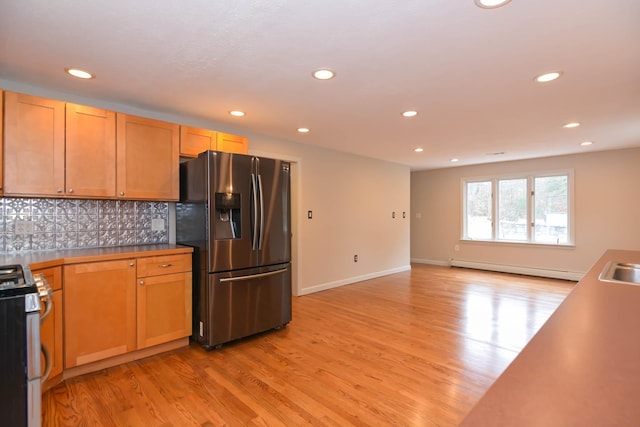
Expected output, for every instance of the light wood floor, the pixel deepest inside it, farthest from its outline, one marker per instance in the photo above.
(412, 349)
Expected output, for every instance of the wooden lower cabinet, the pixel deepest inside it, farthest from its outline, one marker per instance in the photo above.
(164, 308)
(51, 328)
(99, 310)
(164, 299)
(112, 308)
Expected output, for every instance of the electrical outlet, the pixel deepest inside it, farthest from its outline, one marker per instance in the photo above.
(355, 258)
(23, 227)
(157, 224)
(310, 214)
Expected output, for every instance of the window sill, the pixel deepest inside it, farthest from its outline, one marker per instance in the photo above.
(521, 243)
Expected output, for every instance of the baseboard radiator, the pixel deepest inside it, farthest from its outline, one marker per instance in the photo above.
(528, 271)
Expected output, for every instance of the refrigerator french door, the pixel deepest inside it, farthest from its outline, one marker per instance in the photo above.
(234, 210)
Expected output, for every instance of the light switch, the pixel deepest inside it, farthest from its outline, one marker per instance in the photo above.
(23, 227)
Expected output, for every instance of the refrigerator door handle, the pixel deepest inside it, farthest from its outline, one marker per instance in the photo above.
(254, 194)
(261, 213)
(253, 276)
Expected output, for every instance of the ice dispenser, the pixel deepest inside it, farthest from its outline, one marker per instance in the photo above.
(227, 216)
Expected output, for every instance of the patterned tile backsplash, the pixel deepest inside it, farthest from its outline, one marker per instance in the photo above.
(47, 224)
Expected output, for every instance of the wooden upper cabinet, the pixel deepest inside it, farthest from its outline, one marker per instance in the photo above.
(148, 159)
(232, 143)
(194, 141)
(33, 145)
(58, 149)
(90, 152)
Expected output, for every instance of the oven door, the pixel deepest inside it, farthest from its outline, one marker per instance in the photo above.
(19, 355)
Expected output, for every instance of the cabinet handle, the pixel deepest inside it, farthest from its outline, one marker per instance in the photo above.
(70, 190)
(131, 264)
(142, 282)
(166, 265)
(59, 190)
(122, 193)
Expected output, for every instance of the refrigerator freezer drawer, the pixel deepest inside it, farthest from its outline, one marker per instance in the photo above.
(245, 302)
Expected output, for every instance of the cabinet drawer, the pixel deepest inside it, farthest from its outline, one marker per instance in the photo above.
(163, 264)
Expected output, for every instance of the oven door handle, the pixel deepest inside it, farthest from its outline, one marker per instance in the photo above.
(47, 309)
(47, 363)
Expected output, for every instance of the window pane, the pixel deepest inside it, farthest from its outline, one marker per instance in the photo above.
(512, 209)
(551, 209)
(478, 215)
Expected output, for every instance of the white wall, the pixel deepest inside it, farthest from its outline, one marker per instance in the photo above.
(607, 212)
(352, 198)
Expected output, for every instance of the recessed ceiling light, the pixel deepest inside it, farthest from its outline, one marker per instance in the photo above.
(548, 77)
(237, 113)
(586, 143)
(81, 74)
(324, 74)
(303, 130)
(490, 4)
(419, 150)
(410, 113)
(571, 125)
(455, 160)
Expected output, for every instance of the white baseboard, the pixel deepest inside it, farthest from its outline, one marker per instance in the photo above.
(528, 271)
(338, 283)
(431, 262)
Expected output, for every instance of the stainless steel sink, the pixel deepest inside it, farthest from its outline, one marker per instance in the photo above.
(621, 272)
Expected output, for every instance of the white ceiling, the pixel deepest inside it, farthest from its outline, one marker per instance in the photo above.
(467, 71)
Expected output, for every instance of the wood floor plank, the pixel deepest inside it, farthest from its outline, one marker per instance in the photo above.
(417, 348)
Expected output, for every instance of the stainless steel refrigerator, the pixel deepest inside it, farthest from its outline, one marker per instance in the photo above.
(234, 210)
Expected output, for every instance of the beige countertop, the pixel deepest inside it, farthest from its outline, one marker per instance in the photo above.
(45, 259)
(582, 368)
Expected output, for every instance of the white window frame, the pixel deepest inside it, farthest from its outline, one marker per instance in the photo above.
(530, 177)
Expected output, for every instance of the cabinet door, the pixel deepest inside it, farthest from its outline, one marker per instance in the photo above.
(194, 141)
(33, 145)
(164, 308)
(51, 326)
(148, 159)
(99, 310)
(90, 152)
(232, 143)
